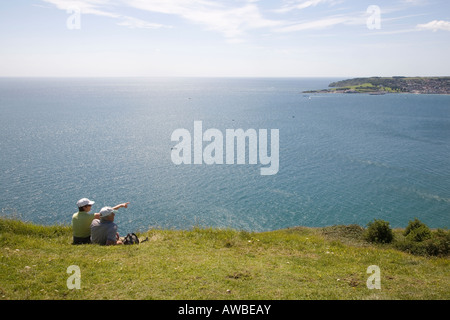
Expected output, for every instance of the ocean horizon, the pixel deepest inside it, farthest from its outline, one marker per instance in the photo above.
(343, 158)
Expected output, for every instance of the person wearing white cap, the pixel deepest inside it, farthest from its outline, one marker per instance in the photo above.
(104, 230)
(81, 220)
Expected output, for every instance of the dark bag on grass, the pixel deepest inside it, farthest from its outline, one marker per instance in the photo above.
(131, 238)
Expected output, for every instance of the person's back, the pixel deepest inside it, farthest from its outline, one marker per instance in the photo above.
(81, 222)
(103, 232)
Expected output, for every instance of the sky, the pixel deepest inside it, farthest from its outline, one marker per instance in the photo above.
(224, 38)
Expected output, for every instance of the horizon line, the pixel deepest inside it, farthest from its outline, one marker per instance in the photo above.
(224, 76)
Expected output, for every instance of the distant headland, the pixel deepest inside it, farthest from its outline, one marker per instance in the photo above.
(383, 85)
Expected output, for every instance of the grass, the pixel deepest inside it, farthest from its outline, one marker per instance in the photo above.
(365, 88)
(206, 263)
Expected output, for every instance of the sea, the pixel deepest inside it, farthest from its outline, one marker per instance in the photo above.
(343, 158)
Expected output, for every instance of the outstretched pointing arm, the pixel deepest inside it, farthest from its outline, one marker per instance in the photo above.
(122, 205)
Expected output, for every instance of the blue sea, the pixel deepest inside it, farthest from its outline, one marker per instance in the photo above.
(343, 158)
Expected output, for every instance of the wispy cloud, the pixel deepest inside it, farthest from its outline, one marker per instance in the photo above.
(357, 18)
(314, 25)
(105, 8)
(133, 23)
(302, 4)
(96, 7)
(235, 20)
(231, 21)
(435, 25)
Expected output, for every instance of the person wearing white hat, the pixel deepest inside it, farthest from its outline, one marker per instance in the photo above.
(81, 220)
(104, 230)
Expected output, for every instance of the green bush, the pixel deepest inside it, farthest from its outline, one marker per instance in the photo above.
(420, 240)
(379, 231)
(417, 231)
(437, 244)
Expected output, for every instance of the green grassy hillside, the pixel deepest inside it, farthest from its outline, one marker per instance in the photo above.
(295, 263)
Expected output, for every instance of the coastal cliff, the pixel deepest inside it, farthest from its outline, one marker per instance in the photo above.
(382, 85)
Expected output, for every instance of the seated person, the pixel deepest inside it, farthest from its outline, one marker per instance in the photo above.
(104, 230)
(81, 221)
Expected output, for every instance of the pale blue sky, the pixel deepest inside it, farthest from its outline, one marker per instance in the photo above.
(282, 38)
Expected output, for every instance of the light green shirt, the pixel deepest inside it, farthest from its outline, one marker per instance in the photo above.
(81, 224)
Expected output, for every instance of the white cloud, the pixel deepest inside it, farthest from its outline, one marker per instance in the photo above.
(232, 22)
(415, 2)
(132, 23)
(327, 22)
(104, 8)
(85, 6)
(435, 25)
(302, 4)
(316, 24)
